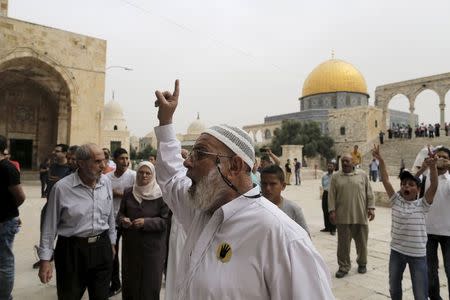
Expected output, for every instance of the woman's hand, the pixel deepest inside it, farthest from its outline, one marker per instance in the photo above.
(138, 223)
(126, 222)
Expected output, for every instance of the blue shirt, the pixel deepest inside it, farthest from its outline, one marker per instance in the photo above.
(75, 209)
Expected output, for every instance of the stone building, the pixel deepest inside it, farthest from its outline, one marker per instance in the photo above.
(115, 130)
(51, 88)
(335, 96)
(192, 133)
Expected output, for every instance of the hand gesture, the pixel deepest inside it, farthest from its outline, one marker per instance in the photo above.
(167, 103)
(126, 222)
(138, 223)
(430, 162)
(376, 152)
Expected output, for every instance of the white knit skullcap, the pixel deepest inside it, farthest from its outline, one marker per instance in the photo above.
(236, 139)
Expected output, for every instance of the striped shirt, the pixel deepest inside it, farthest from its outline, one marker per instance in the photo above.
(408, 231)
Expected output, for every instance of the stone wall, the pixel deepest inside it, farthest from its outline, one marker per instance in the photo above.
(361, 126)
(79, 60)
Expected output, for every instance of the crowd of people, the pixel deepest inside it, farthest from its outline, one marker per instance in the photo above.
(215, 222)
(403, 131)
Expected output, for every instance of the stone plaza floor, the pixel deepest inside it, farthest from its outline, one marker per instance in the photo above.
(371, 286)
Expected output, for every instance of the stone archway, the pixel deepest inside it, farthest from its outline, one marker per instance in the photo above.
(36, 101)
(411, 88)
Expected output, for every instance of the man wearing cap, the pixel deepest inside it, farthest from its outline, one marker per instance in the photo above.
(239, 245)
(350, 204)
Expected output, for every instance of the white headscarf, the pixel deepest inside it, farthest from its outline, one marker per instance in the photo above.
(151, 191)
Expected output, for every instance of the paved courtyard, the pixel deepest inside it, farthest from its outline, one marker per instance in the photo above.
(370, 286)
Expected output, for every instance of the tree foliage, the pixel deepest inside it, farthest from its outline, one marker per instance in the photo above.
(146, 152)
(307, 134)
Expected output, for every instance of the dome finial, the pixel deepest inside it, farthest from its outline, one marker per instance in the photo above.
(332, 53)
(198, 116)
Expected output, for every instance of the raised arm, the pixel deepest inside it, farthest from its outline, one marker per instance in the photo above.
(275, 158)
(429, 194)
(170, 172)
(383, 172)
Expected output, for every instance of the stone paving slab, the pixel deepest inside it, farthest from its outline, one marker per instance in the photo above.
(370, 286)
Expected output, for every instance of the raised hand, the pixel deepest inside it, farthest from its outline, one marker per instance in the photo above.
(167, 103)
(376, 152)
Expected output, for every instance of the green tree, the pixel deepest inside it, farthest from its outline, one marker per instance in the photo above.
(146, 152)
(307, 134)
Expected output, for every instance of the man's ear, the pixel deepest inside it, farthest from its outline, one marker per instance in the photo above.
(283, 185)
(237, 165)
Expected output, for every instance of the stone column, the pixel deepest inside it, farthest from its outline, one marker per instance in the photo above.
(3, 8)
(442, 110)
(411, 120)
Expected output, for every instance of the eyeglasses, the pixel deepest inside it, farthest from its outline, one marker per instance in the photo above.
(197, 154)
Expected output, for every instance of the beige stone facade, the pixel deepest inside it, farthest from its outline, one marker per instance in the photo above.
(115, 130)
(355, 126)
(51, 88)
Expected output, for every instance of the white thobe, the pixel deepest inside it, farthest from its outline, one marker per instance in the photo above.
(272, 257)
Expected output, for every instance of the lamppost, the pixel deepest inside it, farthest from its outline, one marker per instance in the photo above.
(119, 67)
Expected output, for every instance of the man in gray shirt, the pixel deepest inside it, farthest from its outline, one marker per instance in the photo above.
(272, 183)
(80, 211)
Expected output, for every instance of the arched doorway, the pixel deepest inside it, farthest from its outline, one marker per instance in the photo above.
(35, 109)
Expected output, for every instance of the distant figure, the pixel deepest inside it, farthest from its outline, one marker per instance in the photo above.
(268, 158)
(351, 203)
(272, 184)
(71, 160)
(43, 176)
(110, 165)
(373, 167)
(356, 157)
(297, 167)
(329, 227)
(152, 158)
(287, 168)
(381, 136)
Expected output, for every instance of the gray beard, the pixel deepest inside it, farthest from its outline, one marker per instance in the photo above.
(208, 191)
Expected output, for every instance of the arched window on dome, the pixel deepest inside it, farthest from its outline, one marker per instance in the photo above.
(342, 130)
(115, 127)
(267, 134)
(376, 123)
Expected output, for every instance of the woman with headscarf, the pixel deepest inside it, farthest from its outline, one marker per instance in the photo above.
(143, 215)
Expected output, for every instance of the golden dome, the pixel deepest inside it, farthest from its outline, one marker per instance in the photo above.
(334, 75)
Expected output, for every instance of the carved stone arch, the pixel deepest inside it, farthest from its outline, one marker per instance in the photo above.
(27, 52)
(45, 93)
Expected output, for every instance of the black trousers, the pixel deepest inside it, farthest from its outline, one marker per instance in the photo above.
(326, 216)
(80, 265)
(115, 275)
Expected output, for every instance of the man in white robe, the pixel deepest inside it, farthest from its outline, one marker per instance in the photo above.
(239, 245)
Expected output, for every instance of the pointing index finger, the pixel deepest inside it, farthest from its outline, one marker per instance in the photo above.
(176, 91)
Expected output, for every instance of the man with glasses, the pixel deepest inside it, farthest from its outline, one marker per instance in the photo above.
(239, 245)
